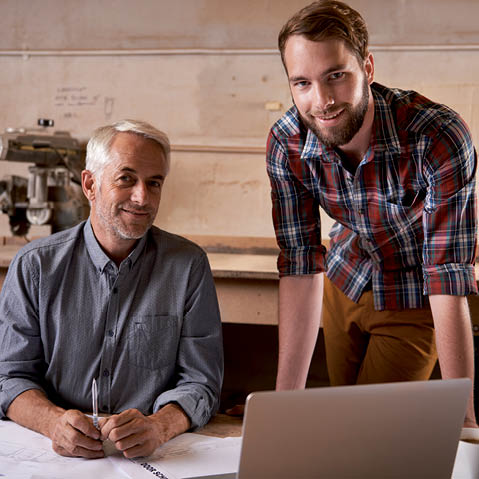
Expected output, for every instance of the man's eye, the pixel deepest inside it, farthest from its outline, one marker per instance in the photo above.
(301, 84)
(125, 179)
(336, 76)
(155, 184)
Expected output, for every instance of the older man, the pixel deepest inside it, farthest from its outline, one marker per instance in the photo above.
(115, 299)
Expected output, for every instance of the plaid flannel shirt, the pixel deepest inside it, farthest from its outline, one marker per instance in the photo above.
(405, 221)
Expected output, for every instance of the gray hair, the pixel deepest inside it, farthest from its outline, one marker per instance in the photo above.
(98, 148)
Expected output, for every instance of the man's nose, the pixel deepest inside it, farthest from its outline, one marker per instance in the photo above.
(323, 97)
(139, 193)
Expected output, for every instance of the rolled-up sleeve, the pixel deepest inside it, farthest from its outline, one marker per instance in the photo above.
(21, 355)
(450, 216)
(199, 364)
(295, 213)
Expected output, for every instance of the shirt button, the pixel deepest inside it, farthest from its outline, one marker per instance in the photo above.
(106, 373)
(111, 333)
(115, 290)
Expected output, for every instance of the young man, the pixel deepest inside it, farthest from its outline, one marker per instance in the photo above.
(115, 299)
(396, 171)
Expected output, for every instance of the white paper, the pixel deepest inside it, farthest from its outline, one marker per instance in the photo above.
(187, 455)
(25, 454)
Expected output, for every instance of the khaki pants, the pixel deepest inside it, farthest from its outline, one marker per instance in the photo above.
(367, 346)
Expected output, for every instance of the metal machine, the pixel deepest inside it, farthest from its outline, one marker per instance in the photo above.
(52, 193)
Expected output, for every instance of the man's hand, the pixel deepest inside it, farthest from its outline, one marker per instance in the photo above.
(137, 435)
(454, 342)
(74, 435)
(132, 433)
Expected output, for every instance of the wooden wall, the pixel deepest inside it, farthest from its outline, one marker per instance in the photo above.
(207, 72)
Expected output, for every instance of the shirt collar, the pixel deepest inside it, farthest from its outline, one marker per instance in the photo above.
(100, 258)
(314, 148)
(385, 132)
(384, 128)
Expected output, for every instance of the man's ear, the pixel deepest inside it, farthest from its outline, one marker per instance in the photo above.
(369, 67)
(88, 184)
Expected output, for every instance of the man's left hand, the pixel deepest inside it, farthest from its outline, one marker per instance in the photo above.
(138, 435)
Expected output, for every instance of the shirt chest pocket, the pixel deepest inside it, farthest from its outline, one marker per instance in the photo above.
(152, 341)
(394, 224)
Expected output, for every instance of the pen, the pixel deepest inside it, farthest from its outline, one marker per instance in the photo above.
(94, 394)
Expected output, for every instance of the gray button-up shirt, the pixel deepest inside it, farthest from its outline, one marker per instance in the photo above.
(149, 330)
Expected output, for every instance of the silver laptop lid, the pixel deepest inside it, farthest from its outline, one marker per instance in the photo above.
(395, 430)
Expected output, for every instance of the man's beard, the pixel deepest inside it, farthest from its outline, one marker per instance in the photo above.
(110, 217)
(342, 134)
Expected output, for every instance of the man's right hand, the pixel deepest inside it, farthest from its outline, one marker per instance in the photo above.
(74, 435)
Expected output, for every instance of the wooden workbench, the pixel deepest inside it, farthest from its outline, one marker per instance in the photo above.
(247, 287)
(222, 425)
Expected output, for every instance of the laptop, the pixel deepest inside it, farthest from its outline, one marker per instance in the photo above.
(394, 430)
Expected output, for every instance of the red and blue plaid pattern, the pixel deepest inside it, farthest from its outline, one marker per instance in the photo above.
(405, 221)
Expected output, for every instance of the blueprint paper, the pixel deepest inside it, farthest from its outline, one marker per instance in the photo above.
(185, 456)
(25, 454)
